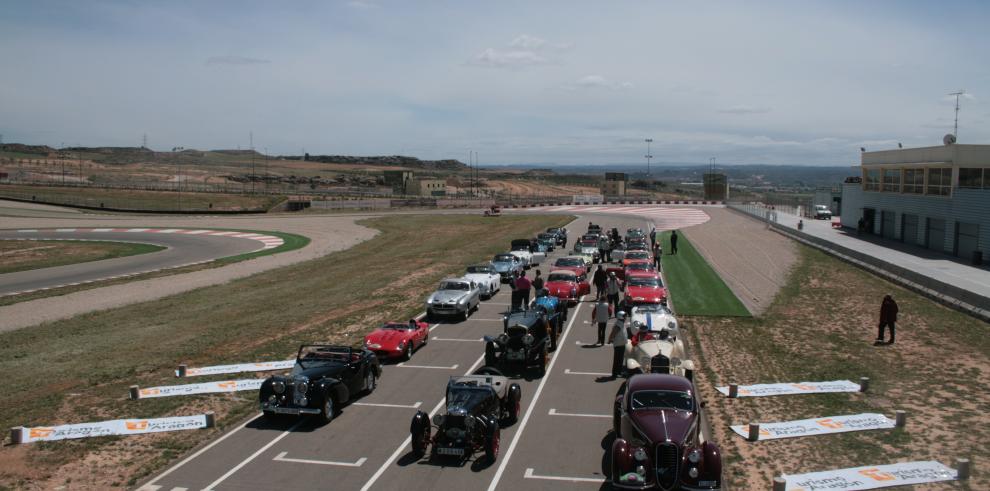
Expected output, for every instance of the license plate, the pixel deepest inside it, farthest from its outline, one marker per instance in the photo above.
(450, 451)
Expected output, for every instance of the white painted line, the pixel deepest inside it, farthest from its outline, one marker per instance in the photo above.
(149, 487)
(225, 232)
(375, 404)
(403, 365)
(169, 230)
(529, 411)
(531, 475)
(553, 412)
(195, 232)
(179, 489)
(65, 230)
(254, 455)
(28, 230)
(282, 458)
(138, 229)
(487, 320)
(463, 340)
(434, 326)
(102, 230)
(599, 374)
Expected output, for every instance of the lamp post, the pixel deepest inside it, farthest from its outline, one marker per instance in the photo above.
(648, 156)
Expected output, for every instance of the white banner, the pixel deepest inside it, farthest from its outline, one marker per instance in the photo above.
(763, 390)
(588, 198)
(818, 426)
(872, 477)
(115, 427)
(204, 388)
(241, 367)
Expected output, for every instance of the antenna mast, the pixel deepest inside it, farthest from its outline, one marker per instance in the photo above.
(955, 125)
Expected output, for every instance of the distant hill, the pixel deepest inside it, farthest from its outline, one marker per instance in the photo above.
(385, 160)
(22, 148)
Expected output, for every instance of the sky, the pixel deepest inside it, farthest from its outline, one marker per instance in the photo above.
(567, 82)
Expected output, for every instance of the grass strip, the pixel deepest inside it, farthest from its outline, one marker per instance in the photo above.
(696, 289)
(25, 255)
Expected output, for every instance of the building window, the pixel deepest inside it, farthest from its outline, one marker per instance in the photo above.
(939, 181)
(914, 181)
(972, 178)
(871, 179)
(892, 180)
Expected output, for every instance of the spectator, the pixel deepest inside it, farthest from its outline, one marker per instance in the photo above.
(888, 317)
(600, 315)
(538, 281)
(657, 253)
(618, 338)
(523, 286)
(673, 242)
(612, 289)
(653, 236)
(599, 281)
(413, 324)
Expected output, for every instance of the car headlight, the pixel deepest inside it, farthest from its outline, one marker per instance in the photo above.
(502, 338)
(304, 402)
(278, 386)
(469, 422)
(402, 344)
(272, 399)
(429, 300)
(640, 470)
(639, 299)
(640, 455)
(301, 387)
(693, 472)
(671, 325)
(528, 339)
(438, 419)
(694, 457)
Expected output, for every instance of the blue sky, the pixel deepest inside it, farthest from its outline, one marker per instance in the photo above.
(551, 82)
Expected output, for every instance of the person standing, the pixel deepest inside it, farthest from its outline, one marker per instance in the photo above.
(537, 282)
(563, 245)
(888, 317)
(523, 286)
(600, 315)
(657, 253)
(612, 290)
(618, 338)
(599, 281)
(673, 242)
(653, 236)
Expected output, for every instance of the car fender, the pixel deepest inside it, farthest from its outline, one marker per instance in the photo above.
(335, 389)
(420, 420)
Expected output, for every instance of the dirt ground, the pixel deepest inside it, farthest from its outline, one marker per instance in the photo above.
(752, 260)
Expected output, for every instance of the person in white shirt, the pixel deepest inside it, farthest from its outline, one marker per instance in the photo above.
(618, 338)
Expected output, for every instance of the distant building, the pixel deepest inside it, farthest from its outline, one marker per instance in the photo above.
(935, 197)
(716, 186)
(398, 180)
(615, 184)
(830, 197)
(427, 187)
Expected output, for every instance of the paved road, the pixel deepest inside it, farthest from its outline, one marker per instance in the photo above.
(560, 439)
(182, 249)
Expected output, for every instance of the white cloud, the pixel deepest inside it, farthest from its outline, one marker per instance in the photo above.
(508, 58)
(527, 42)
(235, 60)
(597, 82)
(744, 109)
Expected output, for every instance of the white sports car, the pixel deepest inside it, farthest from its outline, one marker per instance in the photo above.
(486, 277)
(521, 249)
(655, 345)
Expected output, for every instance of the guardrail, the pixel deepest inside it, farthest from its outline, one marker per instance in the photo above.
(953, 296)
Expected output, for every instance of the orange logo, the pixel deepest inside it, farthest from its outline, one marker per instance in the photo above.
(829, 423)
(743, 392)
(40, 432)
(149, 392)
(876, 475)
(803, 387)
(136, 425)
(227, 385)
(764, 432)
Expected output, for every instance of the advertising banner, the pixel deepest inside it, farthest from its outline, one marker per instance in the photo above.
(115, 427)
(818, 426)
(238, 368)
(872, 477)
(204, 388)
(764, 390)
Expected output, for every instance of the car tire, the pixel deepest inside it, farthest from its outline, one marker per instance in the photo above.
(420, 440)
(466, 314)
(370, 381)
(327, 409)
(543, 361)
(492, 443)
(407, 354)
(514, 396)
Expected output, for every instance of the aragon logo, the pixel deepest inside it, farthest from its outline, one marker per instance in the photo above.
(876, 475)
(136, 425)
(40, 432)
(231, 385)
(149, 392)
(803, 387)
(829, 423)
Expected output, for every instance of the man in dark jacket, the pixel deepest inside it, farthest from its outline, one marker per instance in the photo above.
(673, 242)
(599, 281)
(888, 317)
(537, 282)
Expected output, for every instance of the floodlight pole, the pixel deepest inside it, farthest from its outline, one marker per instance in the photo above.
(648, 156)
(955, 125)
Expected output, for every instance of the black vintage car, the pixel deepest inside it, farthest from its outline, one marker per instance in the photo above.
(478, 407)
(324, 378)
(527, 339)
(559, 233)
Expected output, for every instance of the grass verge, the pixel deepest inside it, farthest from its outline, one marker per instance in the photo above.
(696, 289)
(25, 255)
(821, 327)
(131, 199)
(62, 372)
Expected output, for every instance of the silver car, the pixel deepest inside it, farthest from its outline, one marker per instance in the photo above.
(454, 297)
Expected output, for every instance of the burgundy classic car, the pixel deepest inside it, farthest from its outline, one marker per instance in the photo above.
(658, 442)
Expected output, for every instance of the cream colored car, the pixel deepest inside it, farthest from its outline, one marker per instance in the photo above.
(655, 344)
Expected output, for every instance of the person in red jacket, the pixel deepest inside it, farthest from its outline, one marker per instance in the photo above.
(888, 317)
(522, 287)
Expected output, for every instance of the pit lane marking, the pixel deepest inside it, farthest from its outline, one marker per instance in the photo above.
(254, 455)
(282, 458)
(455, 339)
(530, 474)
(403, 365)
(487, 320)
(553, 412)
(378, 404)
(599, 374)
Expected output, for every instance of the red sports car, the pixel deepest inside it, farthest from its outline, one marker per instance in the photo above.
(571, 263)
(644, 287)
(566, 285)
(631, 256)
(397, 339)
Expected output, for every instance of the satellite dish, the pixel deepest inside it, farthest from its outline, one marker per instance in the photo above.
(949, 139)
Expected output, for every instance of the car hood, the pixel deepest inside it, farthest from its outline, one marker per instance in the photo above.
(478, 277)
(448, 295)
(655, 321)
(659, 425)
(315, 372)
(556, 286)
(649, 294)
(388, 338)
(653, 348)
(502, 266)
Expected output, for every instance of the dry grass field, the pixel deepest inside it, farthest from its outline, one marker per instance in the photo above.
(23, 255)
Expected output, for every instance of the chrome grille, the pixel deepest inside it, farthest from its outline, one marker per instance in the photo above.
(666, 465)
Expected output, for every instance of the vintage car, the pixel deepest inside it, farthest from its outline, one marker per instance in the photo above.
(821, 212)
(640, 267)
(658, 441)
(638, 244)
(522, 248)
(477, 408)
(634, 255)
(555, 309)
(643, 287)
(539, 247)
(587, 249)
(397, 339)
(548, 240)
(507, 266)
(559, 233)
(493, 211)
(655, 344)
(619, 271)
(594, 228)
(577, 264)
(487, 277)
(567, 286)
(527, 339)
(324, 378)
(454, 297)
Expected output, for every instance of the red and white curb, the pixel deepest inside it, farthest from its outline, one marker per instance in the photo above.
(663, 218)
(268, 241)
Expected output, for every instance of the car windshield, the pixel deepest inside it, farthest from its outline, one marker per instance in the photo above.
(640, 267)
(644, 282)
(455, 285)
(479, 269)
(313, 356)
(569, 261)
(637, 255)
(399, 327)
(661, 399)
(560, 277)
(651, 308)
(504, 258)
(466, 397)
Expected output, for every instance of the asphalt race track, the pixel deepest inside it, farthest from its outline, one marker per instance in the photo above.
(184, 247)
(560, 441)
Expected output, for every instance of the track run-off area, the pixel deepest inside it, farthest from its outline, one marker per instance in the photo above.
(561, 439)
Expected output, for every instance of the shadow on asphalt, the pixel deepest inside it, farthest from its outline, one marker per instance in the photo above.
(477, 464)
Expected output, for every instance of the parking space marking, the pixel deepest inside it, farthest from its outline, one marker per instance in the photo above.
(282, 458)
(403, 365)
(488, 320)
(598, 374)
(378, 404)
(254, 455)
(456, 339)
(553, 412)
(530, 474)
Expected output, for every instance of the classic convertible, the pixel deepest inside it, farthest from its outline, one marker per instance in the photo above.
(526, 342)
(658, 440)
(655, 345)
(324, 378)
(485, 276)
(478, 406)
(577, 264)
(559, 233)
(523, 249)
(397, 339)
(507, 266)
(643, 287)
(567, 286)
(456, 296)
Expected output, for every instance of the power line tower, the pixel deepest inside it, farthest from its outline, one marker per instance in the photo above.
(251, 140)
(144, 140)
(955, 125)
